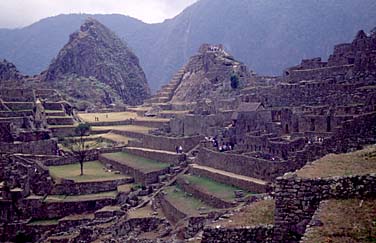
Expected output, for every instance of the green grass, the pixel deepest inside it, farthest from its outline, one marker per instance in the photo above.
(110, 194)
(127, 128)
(350, 220)
(93, 171)
(184, 202)
(85, 197)
(220, 190)
(355, 163)
(43, 221)
(134, 161)
(261, 212)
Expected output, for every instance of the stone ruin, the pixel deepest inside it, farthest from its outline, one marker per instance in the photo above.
(249, 140)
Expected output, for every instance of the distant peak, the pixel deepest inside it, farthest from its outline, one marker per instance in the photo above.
(89, 22)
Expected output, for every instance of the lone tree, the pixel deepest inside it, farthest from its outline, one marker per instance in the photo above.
(79, 147)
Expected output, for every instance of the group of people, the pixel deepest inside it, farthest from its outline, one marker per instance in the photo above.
(316, 140)
(179, 149)
(96, 118)
(221, 148)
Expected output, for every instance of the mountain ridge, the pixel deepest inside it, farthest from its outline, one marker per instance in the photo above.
(266, 35)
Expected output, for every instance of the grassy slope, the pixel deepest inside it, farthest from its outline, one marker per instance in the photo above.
(93, 171)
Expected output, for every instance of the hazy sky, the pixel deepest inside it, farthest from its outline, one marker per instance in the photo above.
(19, 13)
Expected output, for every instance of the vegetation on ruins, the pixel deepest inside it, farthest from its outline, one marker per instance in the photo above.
(234, 81)
(80, 147)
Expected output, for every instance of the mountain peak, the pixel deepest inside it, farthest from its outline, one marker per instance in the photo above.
(95, 51)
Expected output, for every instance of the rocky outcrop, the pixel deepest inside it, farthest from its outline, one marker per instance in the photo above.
(8, 71)
(97, 52)
(211, 73)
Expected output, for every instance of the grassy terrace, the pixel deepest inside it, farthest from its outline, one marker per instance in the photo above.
(354, 163)
(220, 190)
(184, 202)
(143, 164)
(261, 212)
(97, 196)
(43, 222)
(111, 117)
(93, 171)
(130, 128)
(351, 220)
(116, 138)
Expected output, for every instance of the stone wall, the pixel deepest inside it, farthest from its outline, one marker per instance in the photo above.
(78, 188)
(172, 158)
(139, 176)
(19, 113)
(255, 234)
(167, 143)
(39, 209)
(17, 95)
(45, 147)
(131, 225)
(55, 106)
(209, 199)
(173, 214)
(242, 165)
(60, 120)
(17, 106)
(243, 184)
(297, 199)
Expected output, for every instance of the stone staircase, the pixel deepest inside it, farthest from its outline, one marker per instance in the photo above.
(166, 93)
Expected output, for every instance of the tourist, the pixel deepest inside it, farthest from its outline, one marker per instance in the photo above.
(180, 149)
(177, 149)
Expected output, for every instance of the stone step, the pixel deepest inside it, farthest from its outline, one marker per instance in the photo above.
(143, 170)
(55, 113)
(159, 155)
(19, 105)
(243, 182)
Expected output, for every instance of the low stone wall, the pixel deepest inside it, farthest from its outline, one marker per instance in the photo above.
(243, 184)
(129, 134)
(111, 123)
(148, 123)
(242, 165)
(209, 199)
(319, 73)
(158, 156)
(61, 132)
(66, 160)
(16, 95)
(255, 234)
(16, 113)
(173, 214)
(38, 209)
(55, 106)
(297, 199)
(79, 188)
(18, 106)
(139, 176)
(146, 224)
(60, 120)
(44, 147)
(18, 121)
(167, 143)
